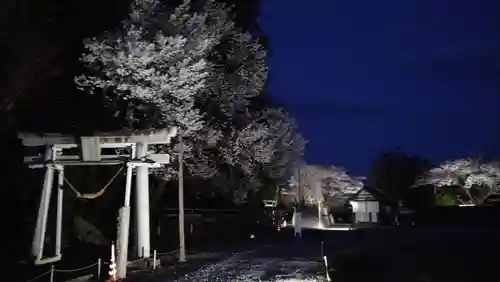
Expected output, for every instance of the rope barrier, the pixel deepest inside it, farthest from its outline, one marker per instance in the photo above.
(168, 253)
(92, 196)
(207, 210)
(153, 256)
(99, 264)
(53, 270)
(75, 269)
(39, 276)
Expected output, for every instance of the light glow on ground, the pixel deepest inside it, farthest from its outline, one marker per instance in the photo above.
(313, 224)
(247, 267)
(318, 279)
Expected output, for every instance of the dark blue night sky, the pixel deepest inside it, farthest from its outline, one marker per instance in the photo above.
(362, 77)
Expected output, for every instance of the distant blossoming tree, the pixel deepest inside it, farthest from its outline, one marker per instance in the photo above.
(341, 183)
(475, 180)
(266, 148)
(317, 181)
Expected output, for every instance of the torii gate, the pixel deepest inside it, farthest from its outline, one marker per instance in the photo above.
(137, 156)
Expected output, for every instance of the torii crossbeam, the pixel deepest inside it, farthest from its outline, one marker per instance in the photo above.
(137, 156)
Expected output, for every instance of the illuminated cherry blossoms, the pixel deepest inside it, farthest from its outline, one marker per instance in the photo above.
(318, 181)
(476, 180)
(192, 68)
(161, 72)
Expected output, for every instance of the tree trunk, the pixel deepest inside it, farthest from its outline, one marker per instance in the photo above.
(469, 195)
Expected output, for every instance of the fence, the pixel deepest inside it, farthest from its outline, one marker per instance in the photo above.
(155, 256)
(51, 274)
(96, 268)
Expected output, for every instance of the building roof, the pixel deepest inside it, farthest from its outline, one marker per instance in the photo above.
(366, 194)
(363, 195)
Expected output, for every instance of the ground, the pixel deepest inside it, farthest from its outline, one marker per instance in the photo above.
(420, 254)
(252, 261)
(257, 267)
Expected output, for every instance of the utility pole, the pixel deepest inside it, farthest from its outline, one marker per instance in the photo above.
(299, 194)
(182, 242)
(298, 210)
(319, 202)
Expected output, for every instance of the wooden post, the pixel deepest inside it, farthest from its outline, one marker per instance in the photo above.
(154, 260)
(52, 273)
(99, 269)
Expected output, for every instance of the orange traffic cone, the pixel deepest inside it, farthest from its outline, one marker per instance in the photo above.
(112, 265)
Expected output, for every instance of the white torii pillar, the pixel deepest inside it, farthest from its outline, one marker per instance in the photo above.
(43, 209)
(142, 204)
(124, 225)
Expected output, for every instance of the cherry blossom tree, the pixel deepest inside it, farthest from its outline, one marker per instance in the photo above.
(241, 135)
(475, 180)
(266, 148)
(341, 183)
(159, 72)
(317, 181)
(235, 71)
(193, 68)
(248, 147)
(261, 140)
(240, 74)
(288, 145)
(159, 64)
